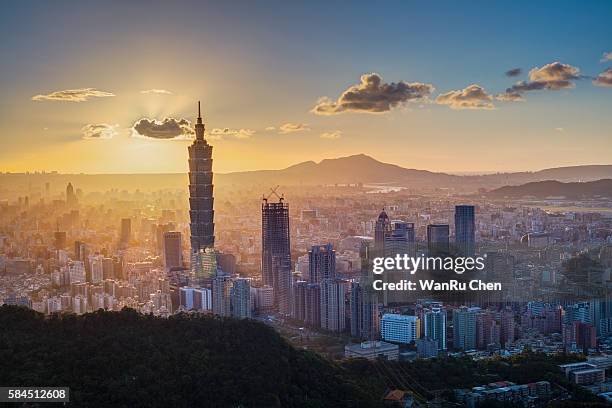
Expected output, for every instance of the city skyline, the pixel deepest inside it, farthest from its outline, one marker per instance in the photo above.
(283, 87)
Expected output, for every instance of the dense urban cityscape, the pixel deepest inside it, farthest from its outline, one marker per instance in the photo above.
(300, 260)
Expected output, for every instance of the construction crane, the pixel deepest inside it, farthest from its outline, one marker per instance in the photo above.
(271, 193)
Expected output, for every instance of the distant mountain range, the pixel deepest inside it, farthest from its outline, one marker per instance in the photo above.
(367, 170)
(551, 188)
(344, 170)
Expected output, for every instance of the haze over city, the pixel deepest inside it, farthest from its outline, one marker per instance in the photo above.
(304, 204)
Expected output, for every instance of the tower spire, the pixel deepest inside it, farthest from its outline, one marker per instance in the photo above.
(199, 127)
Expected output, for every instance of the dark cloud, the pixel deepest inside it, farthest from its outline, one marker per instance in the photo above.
(372, 95)
(99, 131)
(167, 129)
(73, 95)
(553, 77)
(510, 96)
(514, 72)
(604, 79)
(472, 97)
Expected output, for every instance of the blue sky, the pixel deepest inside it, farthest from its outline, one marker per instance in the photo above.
(258, 65)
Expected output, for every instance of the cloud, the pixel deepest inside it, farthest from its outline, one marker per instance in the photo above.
(73, 95)
(553, 77)
(156, 91)
(167, 129)
(607, 56)
(510, 96)
(292, 128)
(96, 131)
(336, 134)
(372, 95)
(472, 97)
(270, 128)
(514, 72)
(221, 133)
(560, 129)
(604, 79)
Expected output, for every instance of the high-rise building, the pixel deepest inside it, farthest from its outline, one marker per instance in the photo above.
(333, 312)
(398, 328)
(382, 228)
(298, 312)
(241, 298)
(173, 252)
(276, 252)
(71, 198)
(59, 240)
(437, 239)
(125, 233)
(313, 305)
(221, 291)
(464, 328)
(321, 263)
(435, 326)
(201, 210)
(97, 268)
(465, 230)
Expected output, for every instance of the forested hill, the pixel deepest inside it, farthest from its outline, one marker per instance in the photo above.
(124, 359)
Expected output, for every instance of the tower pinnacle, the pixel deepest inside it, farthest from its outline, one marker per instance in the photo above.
(199, 127)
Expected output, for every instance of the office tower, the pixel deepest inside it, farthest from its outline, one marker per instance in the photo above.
(488, 330)
(313, 305)
(507, 327)
(227, 263)
(382, 228)
(365, 301)
(80, 251)
(400, 239)
(59, 240)
(173, 250)
(578, 312)
(76, 270)
(435, 326)
(465, 239)
(186, 297)
(298, 312)
(365, 316)
(321, 263)
(201, 210)
(333, 293)
(204, 265)
(281, 269)
(264, 299)
(221, 291)
(202, 299)
(398, 328)
(97, 268)
(126, 232)
(241, 298)
(71, 198)
(275, 251)
(464, 328)
(355, 303)
(108, 268)
(437, 239)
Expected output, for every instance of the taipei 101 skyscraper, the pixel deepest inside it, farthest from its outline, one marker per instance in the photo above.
(201, 211)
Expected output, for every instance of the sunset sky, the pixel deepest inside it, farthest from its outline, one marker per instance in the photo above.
(443, 86)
